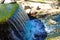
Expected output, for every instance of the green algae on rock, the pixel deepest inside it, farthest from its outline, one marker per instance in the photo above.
(6, 11)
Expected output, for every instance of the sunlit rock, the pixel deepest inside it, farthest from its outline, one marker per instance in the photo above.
(28, 11)
(9, 1)
(52, 22)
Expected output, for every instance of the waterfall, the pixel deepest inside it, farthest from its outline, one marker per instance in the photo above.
(21, 28)
(24, 29)
(18, 24)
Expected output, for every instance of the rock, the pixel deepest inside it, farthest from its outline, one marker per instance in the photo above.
(9, 1)
(28, 11)
(52, 22)
(1, 1)
(27, 7)
(38, 8)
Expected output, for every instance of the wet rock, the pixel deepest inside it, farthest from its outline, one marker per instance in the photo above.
(52, 22)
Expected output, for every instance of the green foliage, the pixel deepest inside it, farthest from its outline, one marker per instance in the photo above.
(6, 11)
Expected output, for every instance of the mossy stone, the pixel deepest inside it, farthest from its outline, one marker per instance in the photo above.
(7, 11)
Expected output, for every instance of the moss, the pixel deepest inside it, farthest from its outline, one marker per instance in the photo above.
(41, 12)
(53, 38)
(6, 11)
(38, 0)
(41, 0)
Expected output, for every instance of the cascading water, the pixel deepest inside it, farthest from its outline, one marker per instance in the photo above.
(18, 22)
(20, 27)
